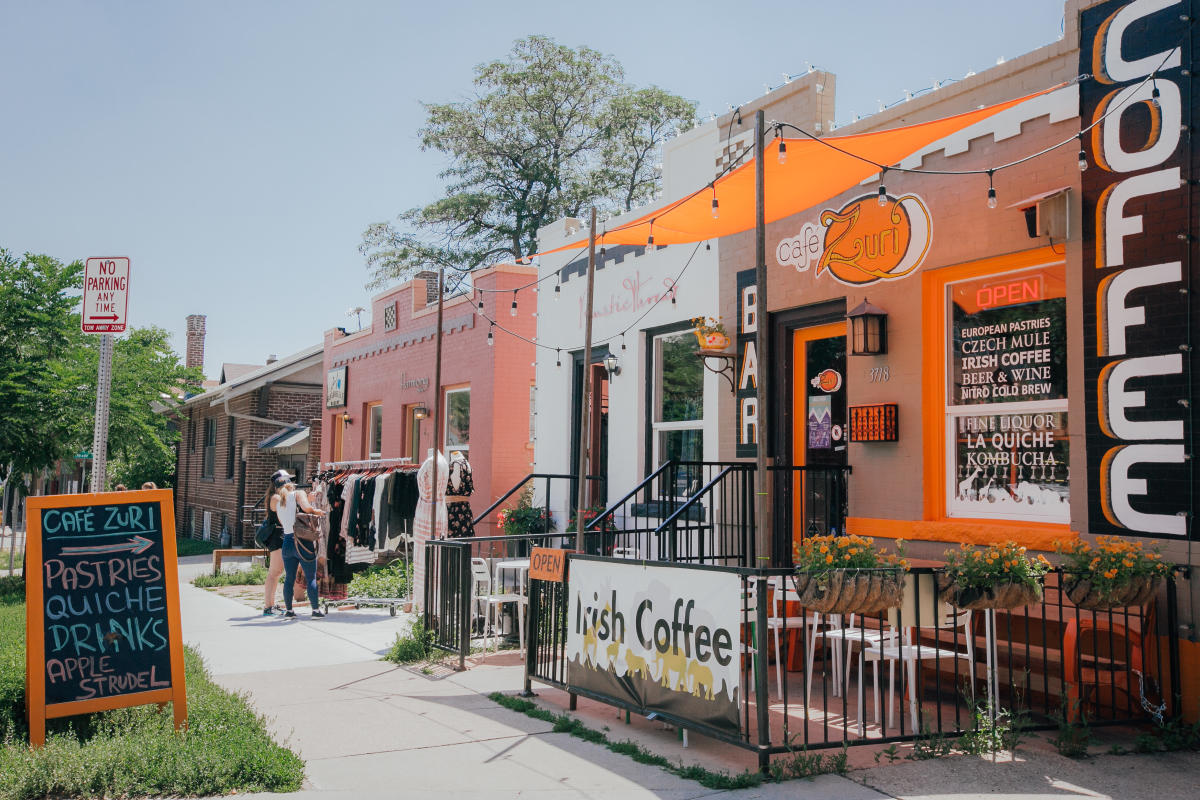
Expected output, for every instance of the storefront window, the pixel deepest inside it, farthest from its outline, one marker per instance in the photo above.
(458, 419)
(375, 431)
(678, 413)
(1006, 397)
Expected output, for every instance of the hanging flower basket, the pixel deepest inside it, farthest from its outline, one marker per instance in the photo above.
(1006, 595)
(1084, 592)
(850, 591)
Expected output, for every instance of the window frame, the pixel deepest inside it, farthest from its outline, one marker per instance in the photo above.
(654, 394)
(208, 456)
(445, 437)
(374, 429)
(231, 450)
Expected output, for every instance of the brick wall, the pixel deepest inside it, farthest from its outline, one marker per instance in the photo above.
(196, 494)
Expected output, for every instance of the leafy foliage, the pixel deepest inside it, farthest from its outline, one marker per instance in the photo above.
(255, 576)
(388, 581)
(416, 646)
(1114, 562)
(983, 567)
(525, 517)
(548, 132)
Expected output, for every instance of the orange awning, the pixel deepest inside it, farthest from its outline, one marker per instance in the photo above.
(813, 172)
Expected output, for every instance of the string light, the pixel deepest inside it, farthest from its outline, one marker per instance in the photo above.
(882, 188)
(491, 339)
(650, 238)
(513, 310)
(622, 340)
(481, 300)
(715, 212)
(1083, 164)
(782, 150)
(991, 191)
(558, 357)
(558, 289)
(707, 245)
(602, 252)
(672, 292)
(1154, 90)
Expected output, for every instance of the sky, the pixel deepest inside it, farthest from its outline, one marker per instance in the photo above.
(236, 151)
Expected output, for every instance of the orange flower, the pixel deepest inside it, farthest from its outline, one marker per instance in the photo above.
(829, 559)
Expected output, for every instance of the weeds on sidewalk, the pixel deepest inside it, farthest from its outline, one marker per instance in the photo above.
(803, 764)
(255, 576)
(564, 723)
(417, 645)
(1074, 734)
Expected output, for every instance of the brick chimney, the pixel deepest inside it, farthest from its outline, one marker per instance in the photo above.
(195, 341)
(431, 286)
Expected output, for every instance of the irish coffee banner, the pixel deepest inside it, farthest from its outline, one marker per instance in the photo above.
(1139, 260)
(660, 638)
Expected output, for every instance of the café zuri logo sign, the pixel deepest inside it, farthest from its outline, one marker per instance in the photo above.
(864, 241)
(1138, 261)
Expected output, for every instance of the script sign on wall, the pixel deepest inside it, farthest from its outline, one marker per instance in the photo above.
(657, 638)
(1139, 258)
(102, 606)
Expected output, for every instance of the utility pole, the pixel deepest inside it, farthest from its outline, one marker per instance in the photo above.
(585, 438)
(763, 506)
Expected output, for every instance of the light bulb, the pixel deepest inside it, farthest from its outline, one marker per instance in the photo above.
(1154, 95)
(491, 341)
(558, 357)
(557, 290)
(782, 152)
(1082, 160)
(715, 212)
(513, 310)
(991, 197)
(882, 195)
(602, 251)
(622, 341)
(481, 301)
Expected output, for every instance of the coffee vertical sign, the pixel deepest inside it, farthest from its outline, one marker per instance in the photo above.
(1139, 265)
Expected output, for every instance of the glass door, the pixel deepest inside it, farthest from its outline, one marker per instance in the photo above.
(819, 431)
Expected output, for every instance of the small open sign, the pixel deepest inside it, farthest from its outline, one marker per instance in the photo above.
(548, 564)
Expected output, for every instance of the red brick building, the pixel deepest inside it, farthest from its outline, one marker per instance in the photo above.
(256, 420)
(380, 392)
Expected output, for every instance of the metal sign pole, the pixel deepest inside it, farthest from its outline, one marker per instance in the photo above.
(100, 435)
(764, 508)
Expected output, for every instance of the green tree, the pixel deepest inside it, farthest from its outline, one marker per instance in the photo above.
(549, 132)
(145, 373)
(38, 298)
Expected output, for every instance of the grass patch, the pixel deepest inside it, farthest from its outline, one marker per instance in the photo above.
(564, 723)
(255, 576)
(416, 646)
(134, 752)
(387, 581)
(193, 547)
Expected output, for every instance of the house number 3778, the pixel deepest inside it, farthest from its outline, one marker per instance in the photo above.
(879, 374)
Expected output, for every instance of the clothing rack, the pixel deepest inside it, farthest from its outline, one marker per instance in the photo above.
(369, 462)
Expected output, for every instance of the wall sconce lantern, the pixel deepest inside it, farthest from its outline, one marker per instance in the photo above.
(420, 412)
(868, 330)
(612, 364)
(346, 419)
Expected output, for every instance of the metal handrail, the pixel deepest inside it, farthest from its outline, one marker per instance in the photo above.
(629, 496)
(521, 483)
(708, 487)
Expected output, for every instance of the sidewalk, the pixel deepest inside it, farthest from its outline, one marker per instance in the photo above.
(367, 728)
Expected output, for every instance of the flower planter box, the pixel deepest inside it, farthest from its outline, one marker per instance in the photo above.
(1085, 594)
(996, 596)
(850, 591)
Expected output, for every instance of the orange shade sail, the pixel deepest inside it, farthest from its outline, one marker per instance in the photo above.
(813, 172)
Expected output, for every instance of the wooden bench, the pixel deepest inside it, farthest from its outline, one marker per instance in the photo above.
(233, 552)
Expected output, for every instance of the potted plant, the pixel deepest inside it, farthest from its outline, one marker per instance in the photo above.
(711, 333)
(1113, 574)
(525, 518)
(846, 574)
(996, 576)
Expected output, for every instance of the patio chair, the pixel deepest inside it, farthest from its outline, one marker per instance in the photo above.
(778, 621)
(1102, 655)
(907, 646)
(482, 577)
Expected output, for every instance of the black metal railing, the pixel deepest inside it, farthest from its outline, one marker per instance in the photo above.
(921, 673)
(812, 500)
(448, 597)
(487, 522)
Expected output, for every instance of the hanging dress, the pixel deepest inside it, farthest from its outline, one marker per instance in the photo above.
(458, 501)
(424, 526)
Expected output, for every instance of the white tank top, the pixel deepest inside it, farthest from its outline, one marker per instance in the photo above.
(286, 511)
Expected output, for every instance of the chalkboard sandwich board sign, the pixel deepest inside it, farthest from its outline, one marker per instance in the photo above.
(102, 606)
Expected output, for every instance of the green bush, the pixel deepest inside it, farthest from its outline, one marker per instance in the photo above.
(193, 547)
(416, 646)
(255, 576)
(133, 752)
(391, 580)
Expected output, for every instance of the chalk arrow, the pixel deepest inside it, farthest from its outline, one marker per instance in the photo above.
(112, 318)
(136, 545)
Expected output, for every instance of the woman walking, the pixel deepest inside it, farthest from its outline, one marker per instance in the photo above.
(285, 503)
(274, 544)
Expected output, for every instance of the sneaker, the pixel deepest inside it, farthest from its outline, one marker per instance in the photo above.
(269, 612)
(289, 614)
(318, 613)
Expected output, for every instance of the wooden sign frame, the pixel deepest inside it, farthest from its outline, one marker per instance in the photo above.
(37, 711)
